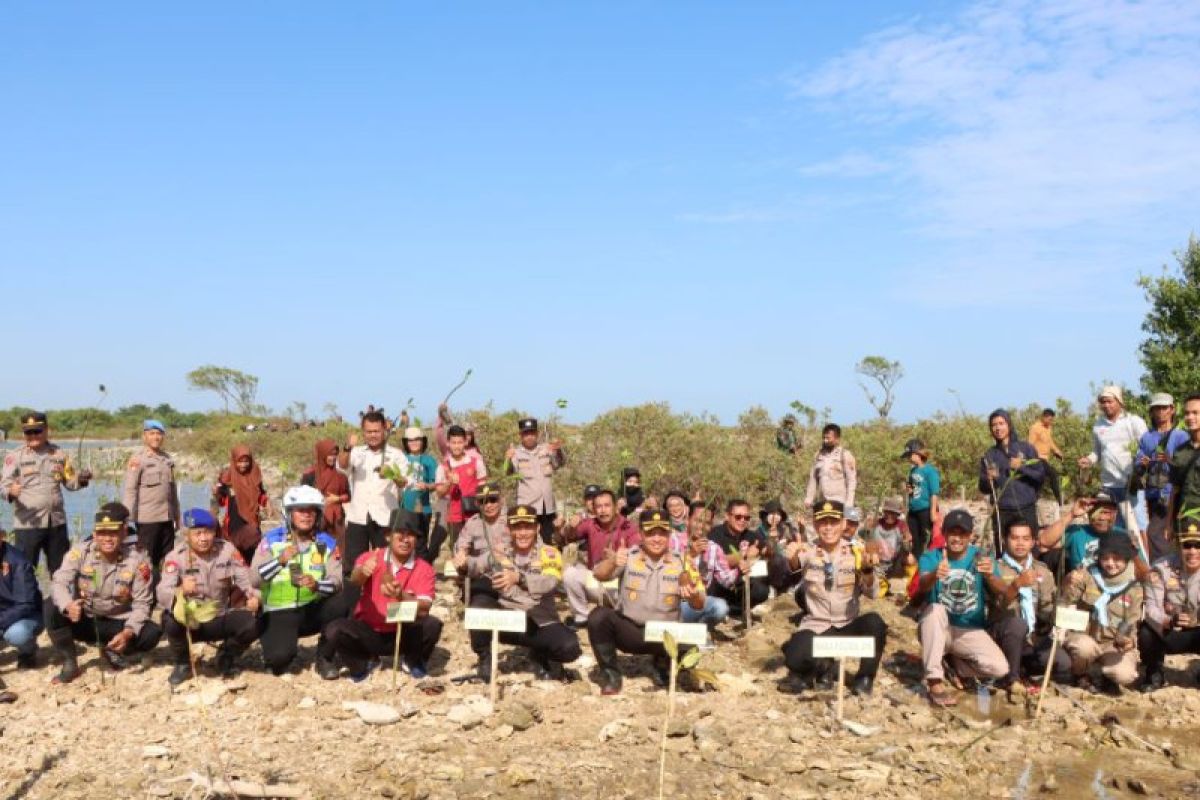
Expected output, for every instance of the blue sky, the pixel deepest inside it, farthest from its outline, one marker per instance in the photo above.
(712, 204)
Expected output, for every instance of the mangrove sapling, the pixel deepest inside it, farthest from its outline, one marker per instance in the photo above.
(704, 678)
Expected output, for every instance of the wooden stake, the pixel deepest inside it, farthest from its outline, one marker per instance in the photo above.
(746, 598)
(841, 687)
(1049, 667)
(493, 686)
(396, 655)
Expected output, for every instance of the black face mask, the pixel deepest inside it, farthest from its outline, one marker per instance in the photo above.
(633, 496)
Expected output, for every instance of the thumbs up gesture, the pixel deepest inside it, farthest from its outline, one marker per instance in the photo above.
(622, 556)
(943, 570)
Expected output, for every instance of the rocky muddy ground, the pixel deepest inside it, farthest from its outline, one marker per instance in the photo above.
(129, 736)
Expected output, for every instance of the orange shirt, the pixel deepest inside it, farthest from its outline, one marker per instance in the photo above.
(1042, 439)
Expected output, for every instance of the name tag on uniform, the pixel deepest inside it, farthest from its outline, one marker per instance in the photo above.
(402, 612)
(843, 647)
(758, 569)
(495, 619)
(683, 632)
(1071, 619)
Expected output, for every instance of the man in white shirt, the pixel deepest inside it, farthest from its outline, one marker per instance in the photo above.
(377, 473)
(1115, 438)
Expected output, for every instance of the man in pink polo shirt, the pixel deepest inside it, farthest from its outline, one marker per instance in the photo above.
(389, 574)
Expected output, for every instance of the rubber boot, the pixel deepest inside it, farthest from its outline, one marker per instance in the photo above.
(64, 644)
(606, 659)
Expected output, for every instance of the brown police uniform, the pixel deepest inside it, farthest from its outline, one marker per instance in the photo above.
(153, 503)
(40, 521)
(1097, 644)
(1172, 623)
(217, 575)
(649, 590)
(540, 570)
(832, 585)
(116, 595)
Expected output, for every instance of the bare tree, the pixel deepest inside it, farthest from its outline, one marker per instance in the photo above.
(887, 374)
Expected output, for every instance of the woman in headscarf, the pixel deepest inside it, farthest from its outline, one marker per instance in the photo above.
(333, 486)
(240, 492)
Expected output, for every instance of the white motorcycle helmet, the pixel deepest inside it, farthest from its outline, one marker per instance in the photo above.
(303, 497)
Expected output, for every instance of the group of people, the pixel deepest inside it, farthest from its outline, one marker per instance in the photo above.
(363, 527)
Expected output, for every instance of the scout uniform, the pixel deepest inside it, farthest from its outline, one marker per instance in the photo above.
(116, 596)
(540, 572)
(217, 574)
(1115, 606)
(953, 623)
(151, 497)
(358, 640)
(1021, 628)
(648, 590)
(40, 522)
(1171, 592)
(832, 584)
(290, 610)
(535, 485)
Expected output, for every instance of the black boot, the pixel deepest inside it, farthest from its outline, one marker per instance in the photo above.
(863, 685)
(546, 670)
(606, 660)
(326, 668)
(1154, 680)
(64, 644)
(662, 672)
(227, 657)
(483, 670)
(181, 673)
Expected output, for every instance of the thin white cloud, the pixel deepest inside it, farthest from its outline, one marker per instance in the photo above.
(847, 165)
(1028, 117)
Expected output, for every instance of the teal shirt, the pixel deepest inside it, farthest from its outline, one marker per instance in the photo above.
(961, 592)
(924, 482)
(424, 471)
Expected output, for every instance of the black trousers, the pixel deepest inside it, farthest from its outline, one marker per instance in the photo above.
(1158, 532)
(86, 629)
(920, 525)
(1053, 480)
(279, 631)
(546, 527)
(797, 653)
(553, 642)
(1011, 634)
(1155, 647)
(760, 591)
(609, 626)
(1027, 514)
(52, 541)
(429, 543)
(357, 642)
(361, 537)
(237, 628)
(156, 539)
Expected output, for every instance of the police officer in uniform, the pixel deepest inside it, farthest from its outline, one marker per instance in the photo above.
(298, 570)
(206, 569)
(32, 480)
(1110, 591)
(834, 576)
(654, 584)
(151, 497)
(101, 594)
(1172, 623)
(484, 538)
(535, 463)
(526, 576)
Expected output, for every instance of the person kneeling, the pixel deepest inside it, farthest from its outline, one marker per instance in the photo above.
(204, 570)
(834, 576)
(389, 574)
(1172, 599)
(654, 583)
(1111, 594)
(101, 594)
(526, 578)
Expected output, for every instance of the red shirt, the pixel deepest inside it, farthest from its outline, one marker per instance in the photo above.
(623, 534)
(416, 577)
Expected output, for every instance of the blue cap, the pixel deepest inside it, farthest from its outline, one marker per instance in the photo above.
(199, 518)
(154, 425)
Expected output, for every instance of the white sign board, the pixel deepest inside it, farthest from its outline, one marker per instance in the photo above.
(495, 619)
(1071, 619)
(758, 569)
(682, 632)
(843, 647)
(449, 570)
(596, 585)
(402, 612)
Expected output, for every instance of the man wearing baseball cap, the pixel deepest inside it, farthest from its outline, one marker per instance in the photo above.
(1115, 434)
(201, 573)
(1152, 472)
(151, 497)
(953, 625)
(1172, 622)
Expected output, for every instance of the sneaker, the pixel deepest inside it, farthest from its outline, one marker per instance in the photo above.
(359, 677)
(418, 671)
(114, 659)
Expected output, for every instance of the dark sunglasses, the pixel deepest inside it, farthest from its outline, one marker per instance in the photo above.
(742, 517)
(1190, 546)
(491, 498)
(35, 431)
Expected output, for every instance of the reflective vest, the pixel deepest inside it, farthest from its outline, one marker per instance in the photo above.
(280, 592)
